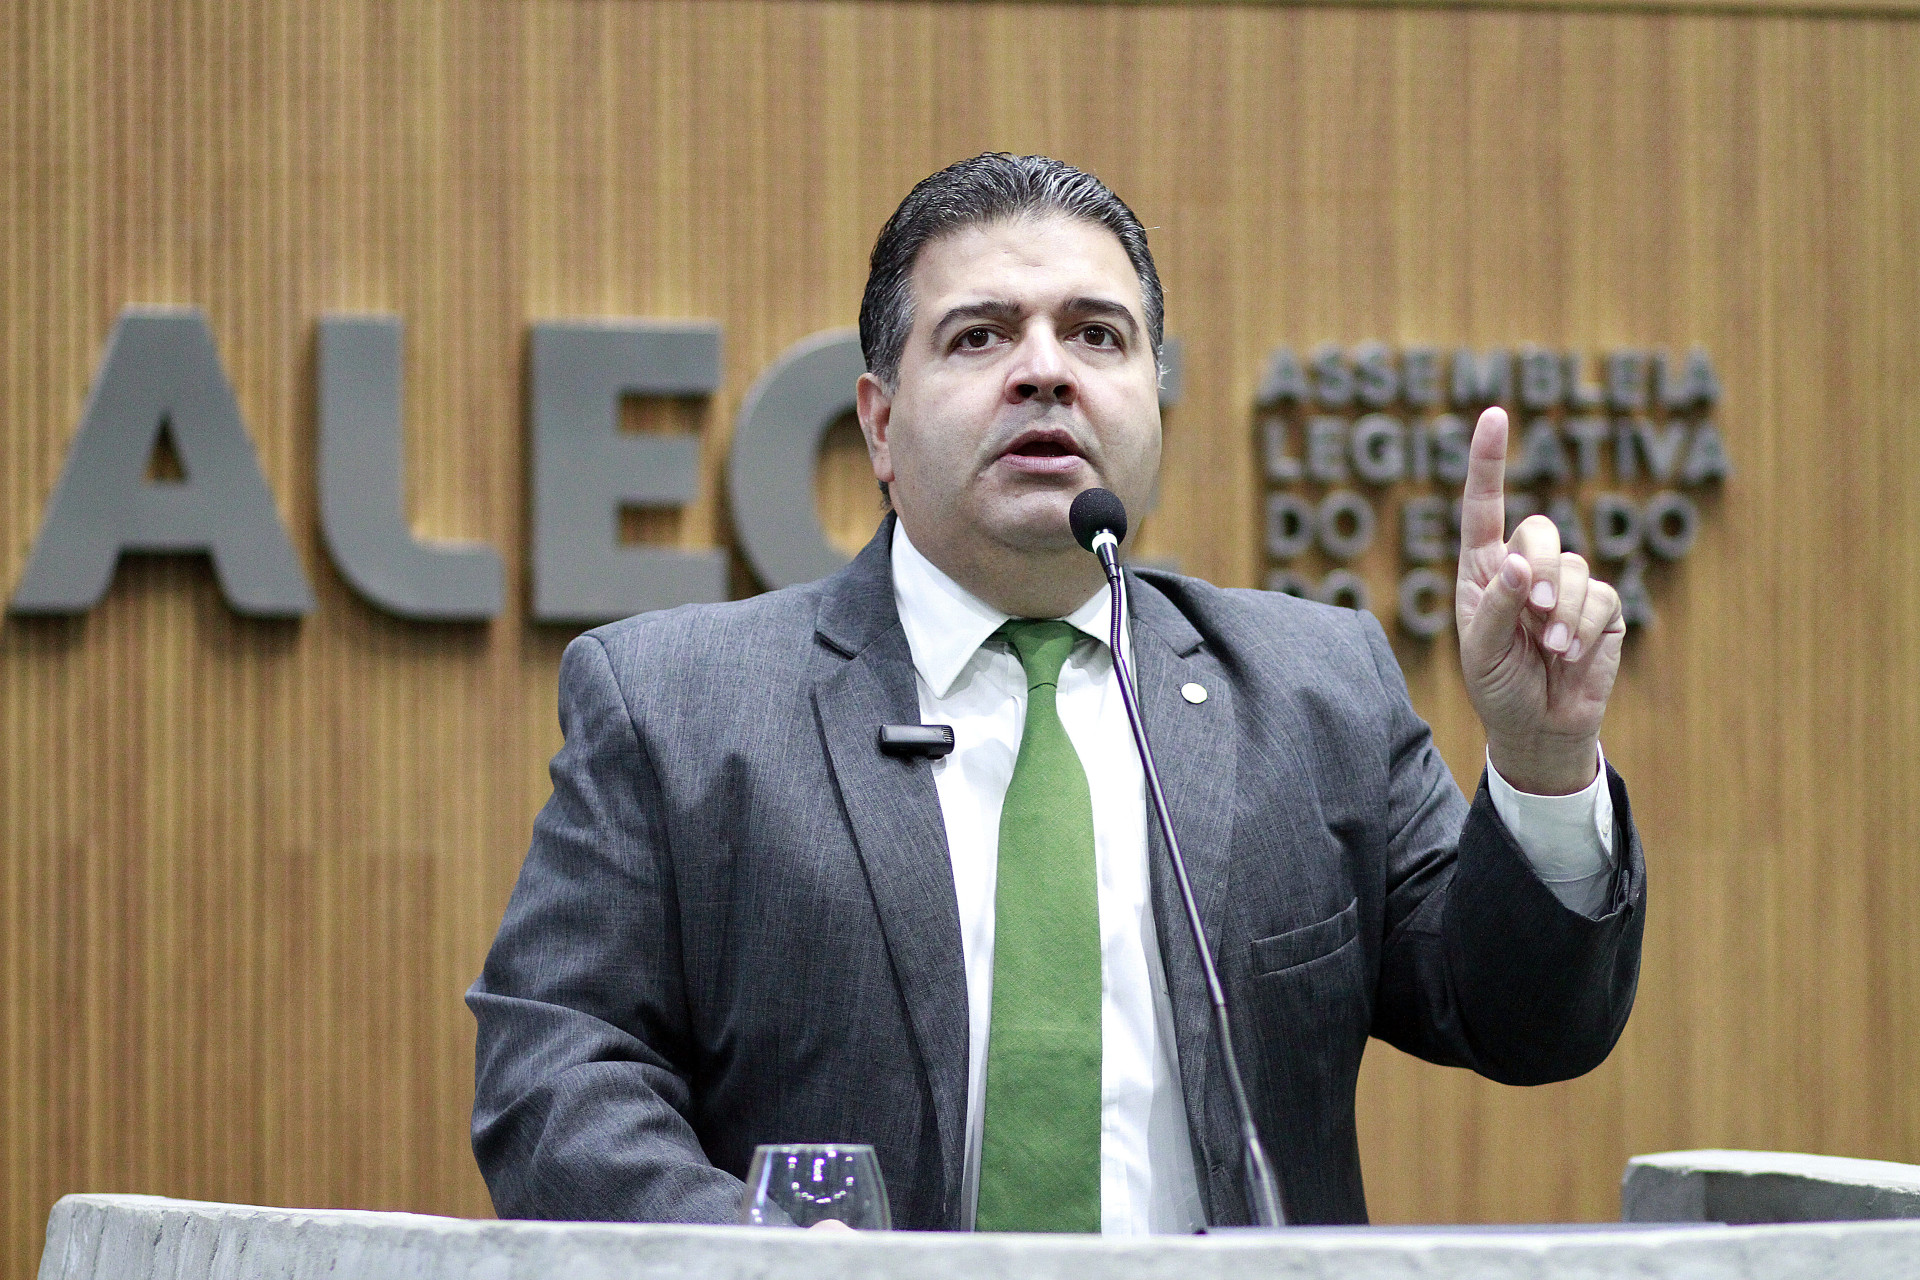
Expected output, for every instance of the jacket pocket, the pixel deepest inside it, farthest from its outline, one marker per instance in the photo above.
(1310, 942)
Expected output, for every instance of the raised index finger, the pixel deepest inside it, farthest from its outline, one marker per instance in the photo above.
(1483, 507)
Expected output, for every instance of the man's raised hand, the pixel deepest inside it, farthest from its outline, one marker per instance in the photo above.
(1539, 636)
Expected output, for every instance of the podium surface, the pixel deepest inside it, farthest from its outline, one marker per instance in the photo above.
(92, 1237)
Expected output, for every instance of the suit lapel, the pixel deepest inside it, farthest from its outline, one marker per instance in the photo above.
(894, 812)
(1194, 748)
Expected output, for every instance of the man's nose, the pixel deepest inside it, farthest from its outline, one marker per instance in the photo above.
(1042, 373)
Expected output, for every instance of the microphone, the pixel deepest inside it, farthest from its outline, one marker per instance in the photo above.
(1099, 522)
(911, 741)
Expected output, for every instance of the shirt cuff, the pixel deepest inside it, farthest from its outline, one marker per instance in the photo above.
(1568, 840)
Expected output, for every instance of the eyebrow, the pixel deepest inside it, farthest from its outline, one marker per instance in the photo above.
(1008, 313)
(1105, 309)
(997, 309)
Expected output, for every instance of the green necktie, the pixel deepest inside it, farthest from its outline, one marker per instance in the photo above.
(1040, 1155)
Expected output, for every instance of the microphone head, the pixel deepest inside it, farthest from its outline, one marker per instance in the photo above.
(1094, 510)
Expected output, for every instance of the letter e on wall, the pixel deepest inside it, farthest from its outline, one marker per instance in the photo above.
(586, 468)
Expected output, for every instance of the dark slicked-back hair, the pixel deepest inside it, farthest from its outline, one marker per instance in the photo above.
(988, 188)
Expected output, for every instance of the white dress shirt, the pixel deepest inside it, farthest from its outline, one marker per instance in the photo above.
(1147, 1178)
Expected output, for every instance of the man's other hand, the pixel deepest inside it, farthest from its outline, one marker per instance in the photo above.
(1539, 636)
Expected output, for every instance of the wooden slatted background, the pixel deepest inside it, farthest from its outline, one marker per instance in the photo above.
(247, 868)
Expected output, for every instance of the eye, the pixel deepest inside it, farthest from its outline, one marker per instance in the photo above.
(976, 338)
(1099, 335)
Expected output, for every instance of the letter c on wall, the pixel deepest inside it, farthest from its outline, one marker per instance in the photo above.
(775, 449)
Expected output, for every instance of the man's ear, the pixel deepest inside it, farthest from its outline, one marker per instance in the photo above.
(875, 406)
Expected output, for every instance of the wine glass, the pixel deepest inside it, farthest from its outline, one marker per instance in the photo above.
(797, 1184)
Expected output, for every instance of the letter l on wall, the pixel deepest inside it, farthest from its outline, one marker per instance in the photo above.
(362, 509)
(161, 367)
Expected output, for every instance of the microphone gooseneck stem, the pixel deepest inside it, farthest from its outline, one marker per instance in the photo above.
(1262, 1187)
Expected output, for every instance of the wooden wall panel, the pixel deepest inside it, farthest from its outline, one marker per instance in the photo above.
(247, 868)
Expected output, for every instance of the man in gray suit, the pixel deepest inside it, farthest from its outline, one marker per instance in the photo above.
(740, 921)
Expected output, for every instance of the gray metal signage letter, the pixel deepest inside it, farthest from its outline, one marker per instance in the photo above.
(1426, 603)
(1290, 524)
(1284, 382)
(1481, 380)
(161, 368)
(362, 510)
(775, 448)
(585, 469)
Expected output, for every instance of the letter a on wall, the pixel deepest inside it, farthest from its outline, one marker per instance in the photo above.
(161, 370)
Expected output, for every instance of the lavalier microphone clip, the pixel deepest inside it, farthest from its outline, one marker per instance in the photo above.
(914, 741)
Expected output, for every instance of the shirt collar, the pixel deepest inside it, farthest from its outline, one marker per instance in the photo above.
(946, 624)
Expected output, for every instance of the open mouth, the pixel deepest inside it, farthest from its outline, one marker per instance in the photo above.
(1043, 449)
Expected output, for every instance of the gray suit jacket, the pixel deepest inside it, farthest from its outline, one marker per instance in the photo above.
(737, 923)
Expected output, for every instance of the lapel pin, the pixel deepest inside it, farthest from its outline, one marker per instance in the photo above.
(1194, 693)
